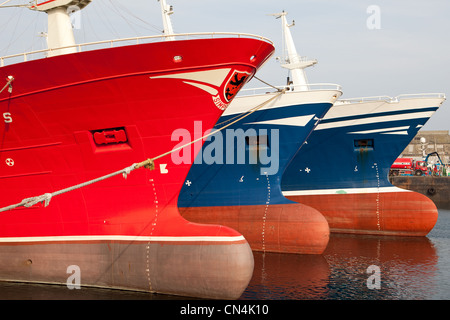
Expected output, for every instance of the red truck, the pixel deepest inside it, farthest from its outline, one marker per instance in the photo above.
(408, 166)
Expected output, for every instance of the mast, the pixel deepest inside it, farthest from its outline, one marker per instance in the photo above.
(60, 31)
(295, 63)
(166, 11)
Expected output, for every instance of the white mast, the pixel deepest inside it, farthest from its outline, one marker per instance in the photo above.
(60, 32)
(295, 63)
(166, 11)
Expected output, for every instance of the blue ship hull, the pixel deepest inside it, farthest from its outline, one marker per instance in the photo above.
(343, 168)
(247, 194)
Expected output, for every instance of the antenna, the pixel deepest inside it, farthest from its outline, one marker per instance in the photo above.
(166, 11)
(278, 15)
(293, 62)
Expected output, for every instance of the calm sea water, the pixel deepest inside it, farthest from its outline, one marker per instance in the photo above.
(409, 269)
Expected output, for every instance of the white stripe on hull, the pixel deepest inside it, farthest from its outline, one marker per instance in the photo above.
(355, 122)
(122, 238)
(214, 77)
(388, 130)
(299, 121)
(342, 191)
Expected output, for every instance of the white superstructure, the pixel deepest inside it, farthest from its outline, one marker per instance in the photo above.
(293, 61)
(60, 29)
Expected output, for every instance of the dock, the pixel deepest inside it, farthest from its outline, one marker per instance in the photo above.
(437, 188)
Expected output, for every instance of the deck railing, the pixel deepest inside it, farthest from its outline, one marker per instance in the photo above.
(393, 99)
(297, 88)
(39, 54)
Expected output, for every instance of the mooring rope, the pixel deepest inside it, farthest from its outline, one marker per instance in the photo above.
(46, 197)
(10, 79)
(278, 89)
(149, 164)
(258, 106)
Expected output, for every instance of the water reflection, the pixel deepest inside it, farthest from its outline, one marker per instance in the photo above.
(288, 276)
(407, 270)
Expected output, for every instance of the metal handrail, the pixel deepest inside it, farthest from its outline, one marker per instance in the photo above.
(366, 99)
(393, 99)
(297, 88)
(421, 95)
(137, 40)
(287, 58)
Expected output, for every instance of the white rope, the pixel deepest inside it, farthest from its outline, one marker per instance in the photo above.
(225, 126)
(149, 164)
(46, 197)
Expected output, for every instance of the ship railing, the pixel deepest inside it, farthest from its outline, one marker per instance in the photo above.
(389, 99)
(40, 54)
(289, 58)
(289, 88)
(422, 95)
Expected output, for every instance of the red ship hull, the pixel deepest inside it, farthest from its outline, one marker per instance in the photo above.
(399, 213)
(112, 108)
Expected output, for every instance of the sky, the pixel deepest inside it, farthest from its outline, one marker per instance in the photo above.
(369, 47)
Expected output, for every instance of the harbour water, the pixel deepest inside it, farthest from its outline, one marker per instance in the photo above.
(405, 268)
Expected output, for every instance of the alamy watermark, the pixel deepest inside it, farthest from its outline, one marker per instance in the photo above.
(374, 280)
(74, 280)
(228, 146)
(373, 21)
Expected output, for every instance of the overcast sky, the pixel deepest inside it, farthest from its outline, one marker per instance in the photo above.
(404, 50)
